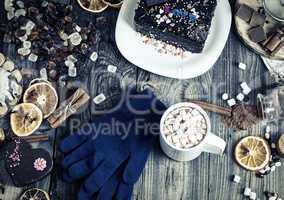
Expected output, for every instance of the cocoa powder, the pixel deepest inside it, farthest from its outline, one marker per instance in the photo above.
(242, 117)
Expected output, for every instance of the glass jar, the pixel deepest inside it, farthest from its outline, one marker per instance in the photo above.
(271, 107)
(275, 8)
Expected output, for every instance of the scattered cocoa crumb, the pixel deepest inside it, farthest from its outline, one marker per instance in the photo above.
(242, 117)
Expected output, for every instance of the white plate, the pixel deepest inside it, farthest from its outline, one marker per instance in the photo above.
(146, 56)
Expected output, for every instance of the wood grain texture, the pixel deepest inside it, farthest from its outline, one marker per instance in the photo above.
(206, 178)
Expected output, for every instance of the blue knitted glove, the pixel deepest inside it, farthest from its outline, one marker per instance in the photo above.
(101, 156)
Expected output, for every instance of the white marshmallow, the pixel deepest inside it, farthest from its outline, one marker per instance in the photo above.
(278, 164)
(99, 99)
(175, 139)
(43, 73)
(199, 136)
(273, 168)
(225, 96)
(236, 179)
(183, 141)
(246, 88)
(244, 85)
(72, 71)
(33, 57)
(94, 56)
(242, 66)
(267, 136)
(252, 196)
(69, 63)
(268, 110)
(240, 97)
(111, 68)
(231, 102)
(247, 192)
(267, 129)
(247, 91)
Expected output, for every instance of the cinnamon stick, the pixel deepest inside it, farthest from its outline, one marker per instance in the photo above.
(68, 108)
(213, 108)
(36, 138)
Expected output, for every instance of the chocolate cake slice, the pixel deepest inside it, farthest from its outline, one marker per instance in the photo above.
(182, 23)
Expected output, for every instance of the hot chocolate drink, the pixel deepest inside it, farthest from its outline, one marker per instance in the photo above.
(185, 127)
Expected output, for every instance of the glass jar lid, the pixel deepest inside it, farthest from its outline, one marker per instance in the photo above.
(275, 8)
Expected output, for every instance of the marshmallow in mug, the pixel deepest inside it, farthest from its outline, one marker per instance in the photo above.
(185, 127)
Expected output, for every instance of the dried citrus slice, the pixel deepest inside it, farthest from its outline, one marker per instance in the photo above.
(35, 194)
(44, 96)
(25, 119)
(252, 153)
(2, 135)
(280, 146)
(113, 3)
(95, 6)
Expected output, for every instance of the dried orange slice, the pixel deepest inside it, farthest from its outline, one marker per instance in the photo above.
(25, 119)
(44, 96)
(35, 194)
(252, 153)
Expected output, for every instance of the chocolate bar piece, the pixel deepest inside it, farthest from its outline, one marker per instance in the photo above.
(154, 2)
(257, 34)
(245, 12)
(183, 23)
(257, 19)
(274, 42)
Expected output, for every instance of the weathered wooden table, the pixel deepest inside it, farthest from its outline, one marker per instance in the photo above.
(209, 176)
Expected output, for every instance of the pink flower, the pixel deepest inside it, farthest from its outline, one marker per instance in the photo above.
(40, 164)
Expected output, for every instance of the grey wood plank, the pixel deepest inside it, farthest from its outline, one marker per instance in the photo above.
(164, 178)
(12, 192)
(97, 80)
(209, 176)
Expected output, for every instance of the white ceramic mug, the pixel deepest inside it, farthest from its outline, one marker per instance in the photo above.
(210, 143)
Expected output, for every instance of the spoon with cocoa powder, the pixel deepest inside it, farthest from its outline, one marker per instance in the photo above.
(239, 117)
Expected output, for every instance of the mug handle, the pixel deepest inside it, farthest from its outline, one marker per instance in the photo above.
(214, 144)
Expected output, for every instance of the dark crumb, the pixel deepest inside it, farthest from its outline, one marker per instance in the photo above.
(242, 117)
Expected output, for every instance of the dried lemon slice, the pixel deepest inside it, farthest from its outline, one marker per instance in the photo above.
(252, 153)
(25, 119)
(35, 194)
(44, 96)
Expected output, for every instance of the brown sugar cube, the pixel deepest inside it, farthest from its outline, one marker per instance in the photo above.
(245, 12)
(257, 19)
(257, 34)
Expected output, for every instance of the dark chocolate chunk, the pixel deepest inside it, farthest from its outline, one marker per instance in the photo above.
(257, 34)
(245, 12)
(155, 2)
(277, 49)
(274, 41)
(257, 19)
